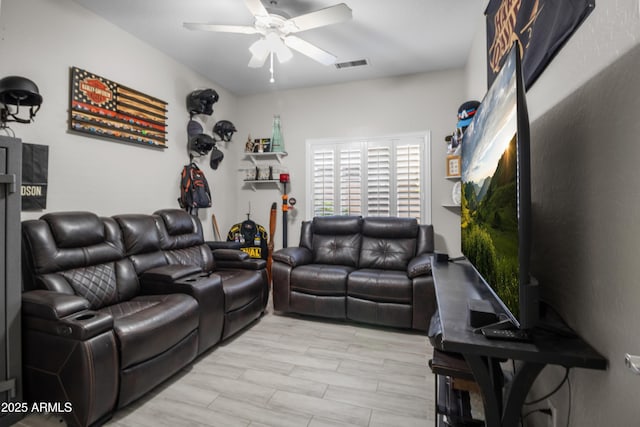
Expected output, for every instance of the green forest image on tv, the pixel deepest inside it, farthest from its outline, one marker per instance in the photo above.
(489, 211)
(490, 227)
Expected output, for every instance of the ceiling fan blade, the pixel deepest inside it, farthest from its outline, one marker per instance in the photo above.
(240, 29)
(256, 7)
(310, 50)
(330, 15)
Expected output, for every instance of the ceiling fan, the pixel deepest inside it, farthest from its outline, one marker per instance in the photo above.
(277, 29)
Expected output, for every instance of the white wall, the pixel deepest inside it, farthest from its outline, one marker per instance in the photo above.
(584, 154)
(423, 102)
(41, 40)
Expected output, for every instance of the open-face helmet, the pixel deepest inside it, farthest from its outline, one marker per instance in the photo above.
(224, 129)
(19, 91)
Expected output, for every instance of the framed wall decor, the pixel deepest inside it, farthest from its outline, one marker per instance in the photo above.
(105, 109)
(453, 166)
(262, 145)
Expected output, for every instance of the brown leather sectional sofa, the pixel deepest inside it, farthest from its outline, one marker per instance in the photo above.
(373, 270)
(114, 306)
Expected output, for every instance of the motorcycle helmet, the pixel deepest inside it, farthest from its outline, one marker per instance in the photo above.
(201, 101)
(224, 129)
(466, 113)
(19, 91)
(201, 144)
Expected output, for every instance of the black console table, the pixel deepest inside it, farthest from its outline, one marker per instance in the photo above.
(455, 284)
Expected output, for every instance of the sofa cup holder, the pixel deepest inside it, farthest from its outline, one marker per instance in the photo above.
(195, 278)
(85, 316)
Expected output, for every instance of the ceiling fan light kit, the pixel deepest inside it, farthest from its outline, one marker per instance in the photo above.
(276, 27)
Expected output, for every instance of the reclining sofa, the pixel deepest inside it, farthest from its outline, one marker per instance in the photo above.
(114, 306)
(374, 270)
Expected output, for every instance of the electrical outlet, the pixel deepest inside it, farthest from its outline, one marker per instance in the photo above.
(553, 419)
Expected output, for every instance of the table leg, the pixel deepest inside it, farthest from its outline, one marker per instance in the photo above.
(518, 390)
(488, 375)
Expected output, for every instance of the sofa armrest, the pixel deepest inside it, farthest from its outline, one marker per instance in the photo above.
(229, 255)
(188, 280)
(232, 258)
(52, 305)
(293, 256)
(63, 315)
(419, 266)
(169, 273)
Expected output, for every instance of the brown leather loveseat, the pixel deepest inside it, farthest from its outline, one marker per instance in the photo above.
(112, 307)
(374, 270)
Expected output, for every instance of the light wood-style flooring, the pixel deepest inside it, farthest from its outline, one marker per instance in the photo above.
(293, 371)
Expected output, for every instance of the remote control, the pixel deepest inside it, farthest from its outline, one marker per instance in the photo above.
(506, 334)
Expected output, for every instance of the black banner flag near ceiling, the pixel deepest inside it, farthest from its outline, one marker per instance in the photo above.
(541, 26)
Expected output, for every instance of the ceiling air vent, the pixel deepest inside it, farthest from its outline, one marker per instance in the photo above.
(349, 64)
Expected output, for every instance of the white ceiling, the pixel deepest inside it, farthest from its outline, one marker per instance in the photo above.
(396, 37)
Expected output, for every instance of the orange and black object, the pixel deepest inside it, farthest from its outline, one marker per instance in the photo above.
(272, 231)
(284, 179)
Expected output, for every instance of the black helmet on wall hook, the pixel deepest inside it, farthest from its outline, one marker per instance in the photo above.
(224, 129)
(201, 144)
(18, 91)
(201, 101)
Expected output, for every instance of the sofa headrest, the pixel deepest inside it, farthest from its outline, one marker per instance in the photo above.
(177, 221)
(75, 229)
(69, 240)
(139, 232)
(337, 225)
(390, 227)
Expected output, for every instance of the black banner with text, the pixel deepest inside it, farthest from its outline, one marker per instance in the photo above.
(541, 26)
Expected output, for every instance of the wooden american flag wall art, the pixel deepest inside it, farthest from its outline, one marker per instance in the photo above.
(102, 108)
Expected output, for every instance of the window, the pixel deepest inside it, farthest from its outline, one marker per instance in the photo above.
(386, 176)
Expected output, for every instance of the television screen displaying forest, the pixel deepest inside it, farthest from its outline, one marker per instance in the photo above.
(489, 211)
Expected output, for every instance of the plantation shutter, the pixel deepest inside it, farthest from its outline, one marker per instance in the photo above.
(379, 181)
(323, 182)
(408, 164)
(378, 177)
(350, 181)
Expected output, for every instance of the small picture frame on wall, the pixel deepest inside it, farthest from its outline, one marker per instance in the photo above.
(453, 166)
(262, 145)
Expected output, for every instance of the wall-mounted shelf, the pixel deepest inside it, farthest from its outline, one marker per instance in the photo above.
(451, 206)
(453, 177)
(254, 157)
(259, 182)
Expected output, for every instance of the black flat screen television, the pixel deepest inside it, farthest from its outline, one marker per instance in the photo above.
(496, 196)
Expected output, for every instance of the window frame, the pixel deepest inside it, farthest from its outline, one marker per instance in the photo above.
(424, 139)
